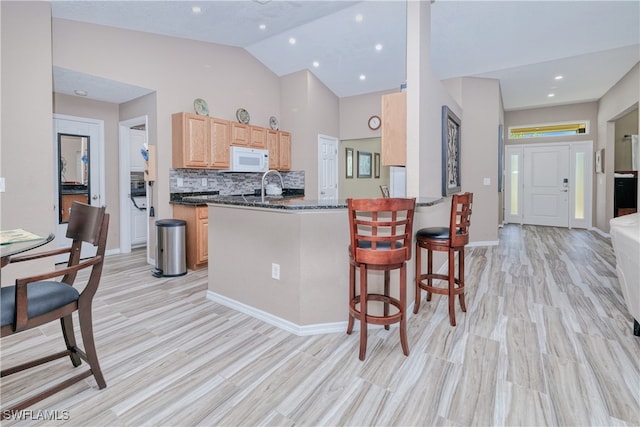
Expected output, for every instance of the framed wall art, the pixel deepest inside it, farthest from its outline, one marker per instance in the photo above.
(376, 165)
(450, 152)
(364, 164)
(349, 162)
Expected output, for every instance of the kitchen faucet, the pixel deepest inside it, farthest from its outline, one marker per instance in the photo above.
(264, 176)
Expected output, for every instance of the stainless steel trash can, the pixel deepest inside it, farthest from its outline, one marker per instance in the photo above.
(171, 258)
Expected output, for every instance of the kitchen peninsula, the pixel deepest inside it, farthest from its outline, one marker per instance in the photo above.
(285, 261)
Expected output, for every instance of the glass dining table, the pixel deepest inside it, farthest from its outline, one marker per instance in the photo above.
(13, 242)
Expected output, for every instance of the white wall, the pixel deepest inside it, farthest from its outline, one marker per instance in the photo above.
(618, 101)
(26, 154)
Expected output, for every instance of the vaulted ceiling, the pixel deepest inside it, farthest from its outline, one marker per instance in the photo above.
(525, 44)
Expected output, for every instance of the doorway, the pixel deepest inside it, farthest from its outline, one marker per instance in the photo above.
(327, 167)
(134, 197)
(79, 170)
(549, 184)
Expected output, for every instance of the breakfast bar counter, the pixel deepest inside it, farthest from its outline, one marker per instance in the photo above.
(285, 261)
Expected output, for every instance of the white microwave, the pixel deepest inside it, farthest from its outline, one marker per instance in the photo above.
(244, 159)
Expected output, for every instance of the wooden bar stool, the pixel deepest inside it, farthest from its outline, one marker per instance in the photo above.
(451, 239)
(381, 233)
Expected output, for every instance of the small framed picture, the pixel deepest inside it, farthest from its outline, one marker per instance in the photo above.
(376, 165)
(364, 164)
(349, 162)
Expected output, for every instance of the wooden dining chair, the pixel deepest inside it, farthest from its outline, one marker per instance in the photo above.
(381, 234)
(36, 300)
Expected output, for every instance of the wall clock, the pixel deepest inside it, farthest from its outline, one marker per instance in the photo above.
(374, 122)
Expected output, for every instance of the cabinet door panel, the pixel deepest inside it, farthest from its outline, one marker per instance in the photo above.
(274, 151)
(240, 134)
(394, 129)
(258, 137)
(220, 140)
(285, 150)
(202, 251)
(196, 142)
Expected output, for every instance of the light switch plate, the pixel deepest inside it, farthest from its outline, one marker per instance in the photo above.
(180, 182)
(486, 181)
(2, 188)
(203, 181)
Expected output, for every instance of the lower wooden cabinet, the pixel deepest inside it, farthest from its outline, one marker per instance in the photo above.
(197, 233)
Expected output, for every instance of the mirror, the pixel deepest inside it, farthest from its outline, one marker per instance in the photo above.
(73, 172)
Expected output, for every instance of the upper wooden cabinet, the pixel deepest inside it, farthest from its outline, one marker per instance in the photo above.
(274, 149)
(202, 142)
(220, 131)
(258, 137)
(240, 134)
(394, 129)
(279, 146)
(199, 142)
(284, 147)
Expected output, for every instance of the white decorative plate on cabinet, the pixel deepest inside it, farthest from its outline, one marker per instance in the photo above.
(201, 107)
(273, 123)
(243, 116)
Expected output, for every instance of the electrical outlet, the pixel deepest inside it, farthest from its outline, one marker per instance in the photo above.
(203, 181)
(180, 182)
(275, 271)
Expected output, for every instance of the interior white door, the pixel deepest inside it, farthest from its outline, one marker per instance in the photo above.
(546, 185)
(327, 167)
(91, 156)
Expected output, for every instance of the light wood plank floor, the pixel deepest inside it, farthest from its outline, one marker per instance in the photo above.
(546, 340)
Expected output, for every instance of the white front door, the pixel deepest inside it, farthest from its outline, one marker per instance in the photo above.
(546, 185)
(327, 168)
(78, 156)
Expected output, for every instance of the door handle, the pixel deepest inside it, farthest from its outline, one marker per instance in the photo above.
(95, 197)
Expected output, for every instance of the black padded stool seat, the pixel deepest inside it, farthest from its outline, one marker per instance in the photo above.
(451, 239)
(42, 297)
(380, 236)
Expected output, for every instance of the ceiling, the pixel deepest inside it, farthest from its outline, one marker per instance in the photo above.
(525, 45)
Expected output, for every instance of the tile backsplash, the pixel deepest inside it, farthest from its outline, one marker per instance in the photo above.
(227, 183)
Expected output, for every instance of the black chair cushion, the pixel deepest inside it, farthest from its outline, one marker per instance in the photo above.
(437, 233)
(42, 297)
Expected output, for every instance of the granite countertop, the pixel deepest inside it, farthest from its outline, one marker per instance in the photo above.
(297, 203)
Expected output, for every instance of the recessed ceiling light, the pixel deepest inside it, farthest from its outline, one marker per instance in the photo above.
(316, 64)
(292, 40)
(359, 18)
(558, 77)
(363, 77)
(551, 95)
(263, 26)
(81, 92)
(196, 9)
(378, 47)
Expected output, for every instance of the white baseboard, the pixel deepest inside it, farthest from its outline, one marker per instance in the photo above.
(600, 232)
(112, 251)
(484, 243)
(300, 330)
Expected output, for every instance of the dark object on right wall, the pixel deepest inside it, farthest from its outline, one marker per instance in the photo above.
(625, 195)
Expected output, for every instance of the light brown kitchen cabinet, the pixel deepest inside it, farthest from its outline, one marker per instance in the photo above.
(220, 131)
(394, 129)
(258, 137)
(240, 134)
(197, 233)
(284, 147)
(190, 140)
(274, 150)
(200, 142)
